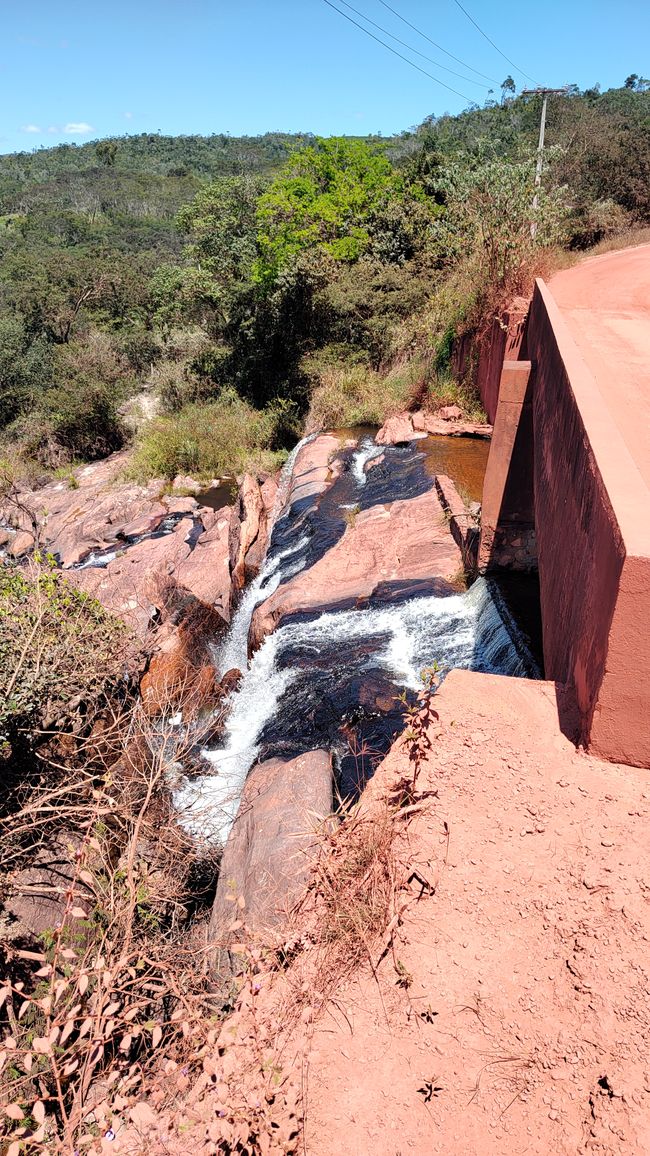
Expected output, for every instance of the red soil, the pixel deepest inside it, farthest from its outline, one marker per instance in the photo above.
(528, 1006)
(512, 1014)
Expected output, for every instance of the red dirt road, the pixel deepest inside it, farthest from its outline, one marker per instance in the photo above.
(514, 1013)
(606, 304)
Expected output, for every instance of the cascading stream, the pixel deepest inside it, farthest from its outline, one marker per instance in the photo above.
(311, 680)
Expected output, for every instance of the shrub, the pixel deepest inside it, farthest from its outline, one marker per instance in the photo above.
(226, 436)
(141, 349)
(177, 386)
(350, 395)
(76, 421)
(59, 649)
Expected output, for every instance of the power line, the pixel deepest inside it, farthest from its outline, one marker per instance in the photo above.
(410, 46)
(463, 96)
(507, 58)
(436, 45)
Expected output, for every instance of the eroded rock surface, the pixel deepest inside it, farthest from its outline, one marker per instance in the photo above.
(405, 427)
(383, 550)
(272, 843)
(122, 542)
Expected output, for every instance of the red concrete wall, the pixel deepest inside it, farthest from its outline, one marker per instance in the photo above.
(501, 342)
(594, 577)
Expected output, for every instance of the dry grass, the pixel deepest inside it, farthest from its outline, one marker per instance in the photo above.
(356, 881)
(352, 395)
(117, 981)
(637, 235)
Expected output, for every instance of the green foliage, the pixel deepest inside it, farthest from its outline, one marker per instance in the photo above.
(219, 437)
(276, 248)
(489, 211)
(58, 648)
(324, 199)
(26, 367)
(221, 226)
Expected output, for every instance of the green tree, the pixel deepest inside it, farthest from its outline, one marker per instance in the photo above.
(508, 89)
(106, 152)
(489, 211)
(25, 368)
(324, 199)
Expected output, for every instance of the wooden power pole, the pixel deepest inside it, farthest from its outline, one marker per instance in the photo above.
(544, 93)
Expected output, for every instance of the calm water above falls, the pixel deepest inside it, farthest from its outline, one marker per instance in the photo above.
(332, 681)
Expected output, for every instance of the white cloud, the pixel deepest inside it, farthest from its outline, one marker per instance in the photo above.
(78, 127)
(128, 115)
(30, 128)
(53, 128)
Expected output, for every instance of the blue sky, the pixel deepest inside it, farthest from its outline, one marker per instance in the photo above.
(78, 71)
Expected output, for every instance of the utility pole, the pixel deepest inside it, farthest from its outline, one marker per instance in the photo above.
(544, 93)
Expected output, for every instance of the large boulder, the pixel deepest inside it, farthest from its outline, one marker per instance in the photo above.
(397, 431)
(271, 846)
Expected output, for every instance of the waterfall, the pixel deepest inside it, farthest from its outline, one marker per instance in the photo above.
(470, 630)
(365, 453)
(304, 680)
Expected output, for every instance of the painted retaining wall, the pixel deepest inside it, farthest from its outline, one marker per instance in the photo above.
(591, 515)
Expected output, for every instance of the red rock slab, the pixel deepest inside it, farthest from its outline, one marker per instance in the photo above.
(403, 541)
(406, 426)
(205, 572)
(272, 842)
(312, 468)
(128, 585)
(74, 521)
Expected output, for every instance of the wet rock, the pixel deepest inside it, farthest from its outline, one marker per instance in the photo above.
(312, 468)
(231, 680)
(399, 543)
(272, 844)
(144, 523)
(397, 431)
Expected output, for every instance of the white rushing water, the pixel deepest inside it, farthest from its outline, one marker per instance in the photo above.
(365, 453)
(463, 630)
(470, 630)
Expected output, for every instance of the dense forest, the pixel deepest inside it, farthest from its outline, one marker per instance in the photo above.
(233, 289)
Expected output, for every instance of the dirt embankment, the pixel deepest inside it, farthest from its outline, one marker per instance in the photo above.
(506, 1008)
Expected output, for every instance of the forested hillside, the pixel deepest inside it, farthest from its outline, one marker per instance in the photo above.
(248, 284)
